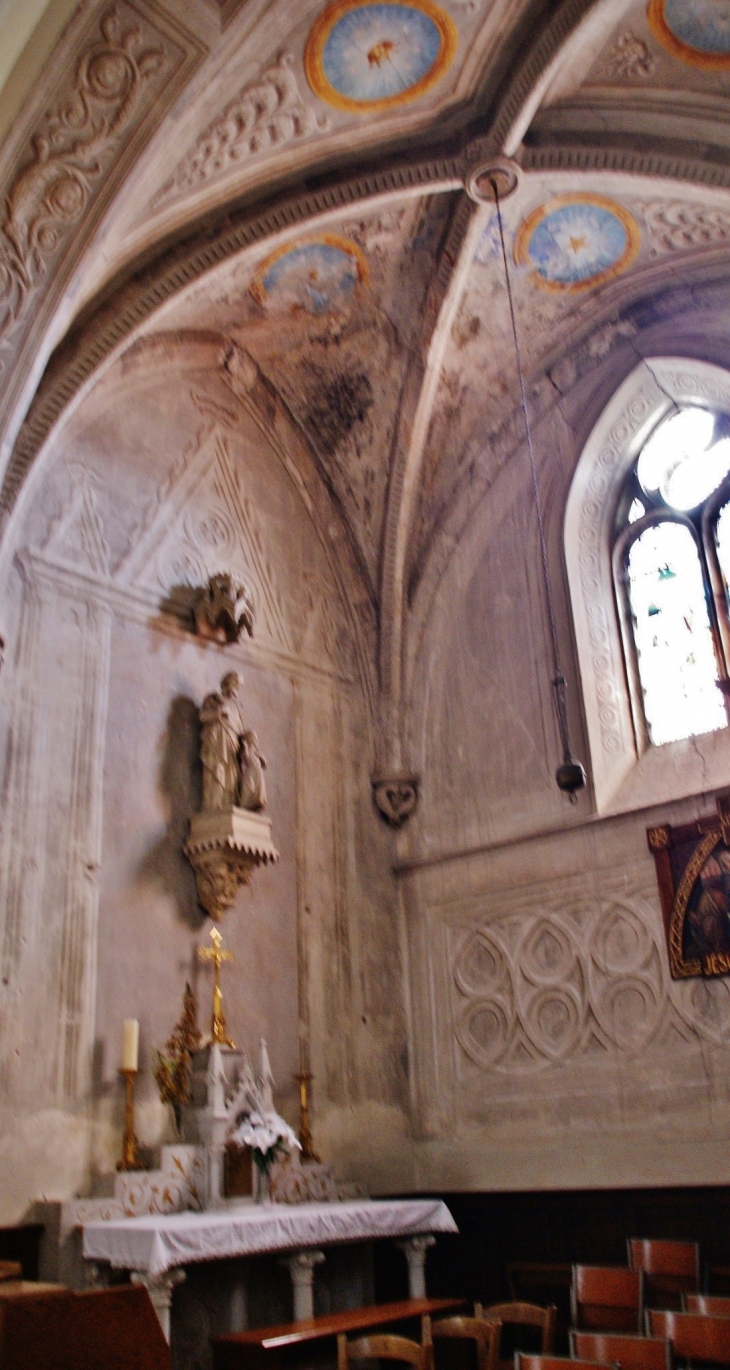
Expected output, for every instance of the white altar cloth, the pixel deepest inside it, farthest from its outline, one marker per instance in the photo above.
(156, 1243)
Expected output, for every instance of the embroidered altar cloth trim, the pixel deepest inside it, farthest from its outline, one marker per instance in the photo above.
(156, 1243)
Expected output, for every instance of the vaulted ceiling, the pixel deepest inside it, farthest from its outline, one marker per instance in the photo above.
(297, 180)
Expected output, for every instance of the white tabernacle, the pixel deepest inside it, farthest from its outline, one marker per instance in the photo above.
(156, 1243)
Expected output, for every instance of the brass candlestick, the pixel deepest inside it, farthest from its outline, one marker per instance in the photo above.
(304, 1079)
(218, 1030)
(130, 1155)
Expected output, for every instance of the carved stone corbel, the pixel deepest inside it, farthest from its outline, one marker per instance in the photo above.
(224, 609)
(396, 797)
(224, 848)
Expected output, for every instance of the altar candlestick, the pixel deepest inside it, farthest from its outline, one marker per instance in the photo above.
(130, 1066)
(130, 1155)
(304, 1079)
(130, 1045)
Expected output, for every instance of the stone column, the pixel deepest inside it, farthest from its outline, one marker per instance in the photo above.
(159, 1288)
(301, 1268)
(415, 1249)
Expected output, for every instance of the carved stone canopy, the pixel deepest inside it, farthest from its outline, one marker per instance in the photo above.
(224, 848)
(396, 798)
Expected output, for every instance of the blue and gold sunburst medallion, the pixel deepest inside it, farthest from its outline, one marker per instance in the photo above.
(575, 242)
(312, 276)
(368, 55)
(695, 31)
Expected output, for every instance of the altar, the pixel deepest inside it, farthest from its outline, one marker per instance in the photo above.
(156, 1247)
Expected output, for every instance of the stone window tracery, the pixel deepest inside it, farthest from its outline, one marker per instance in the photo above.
(638, 540)
(672, 514)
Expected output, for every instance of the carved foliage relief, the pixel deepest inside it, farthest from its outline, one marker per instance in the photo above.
(122, 67)
(263, 117)
(679, 225)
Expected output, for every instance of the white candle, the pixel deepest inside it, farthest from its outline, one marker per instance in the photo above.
(130, 1044)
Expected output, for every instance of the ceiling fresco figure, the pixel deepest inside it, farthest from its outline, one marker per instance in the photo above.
(576, 242)
(315, 276)
(695, 31)
(368, 55)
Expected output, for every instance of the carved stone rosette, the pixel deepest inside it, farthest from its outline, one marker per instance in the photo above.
(224, 848)
(396, 797)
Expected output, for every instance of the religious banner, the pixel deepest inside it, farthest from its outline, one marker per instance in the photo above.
(693, 871)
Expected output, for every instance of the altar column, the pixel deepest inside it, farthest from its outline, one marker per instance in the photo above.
(415, 1249)
(159, 1288)
(301, 1268)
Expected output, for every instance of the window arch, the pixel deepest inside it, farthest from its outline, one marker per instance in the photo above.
(620, 532)
(672, 596)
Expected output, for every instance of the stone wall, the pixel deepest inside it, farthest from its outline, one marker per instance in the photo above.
(549, 1045)
(508, 1021)
(158, 480)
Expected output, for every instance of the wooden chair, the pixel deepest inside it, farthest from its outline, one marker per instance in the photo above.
(709, 1305)
(607, 1298)
(383, 1346)
(670, 1269)
(514, 1315)
(485, 1334)
(693, 1336)
(11, 1270)
(630, 1352)
(525, 1361)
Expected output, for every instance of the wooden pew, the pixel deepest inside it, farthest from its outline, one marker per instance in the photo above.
(274, 1348)
(51, 1328)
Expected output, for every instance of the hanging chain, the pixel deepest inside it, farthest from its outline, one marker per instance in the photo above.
(558, 683)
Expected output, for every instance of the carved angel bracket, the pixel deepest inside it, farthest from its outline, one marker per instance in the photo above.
(224, 608)
(396, 798)
(224, 848)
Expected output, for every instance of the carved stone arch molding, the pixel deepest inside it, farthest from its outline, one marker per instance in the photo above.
(624, 777)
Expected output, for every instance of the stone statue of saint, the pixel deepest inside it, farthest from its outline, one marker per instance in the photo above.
(220, 744)
(252, 789)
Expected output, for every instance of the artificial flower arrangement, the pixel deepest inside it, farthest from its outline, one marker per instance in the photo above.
(268, 1136)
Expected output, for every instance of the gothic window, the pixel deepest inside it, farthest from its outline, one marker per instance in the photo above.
(672, 571)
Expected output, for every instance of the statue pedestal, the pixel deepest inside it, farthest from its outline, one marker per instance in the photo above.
(224, 848)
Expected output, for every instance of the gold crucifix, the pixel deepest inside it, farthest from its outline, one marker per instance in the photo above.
(218, 1031)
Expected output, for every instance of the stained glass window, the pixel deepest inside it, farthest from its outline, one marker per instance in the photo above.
(669, 507)
(674, 644)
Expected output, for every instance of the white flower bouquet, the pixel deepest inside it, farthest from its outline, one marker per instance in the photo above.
(267, 1135)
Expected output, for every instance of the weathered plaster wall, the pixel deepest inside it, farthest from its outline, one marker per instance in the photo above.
(159, 479)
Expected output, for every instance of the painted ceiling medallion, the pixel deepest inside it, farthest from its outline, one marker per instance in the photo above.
(577, 241)
(695, 31)
(367, 55)
(315, 276)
